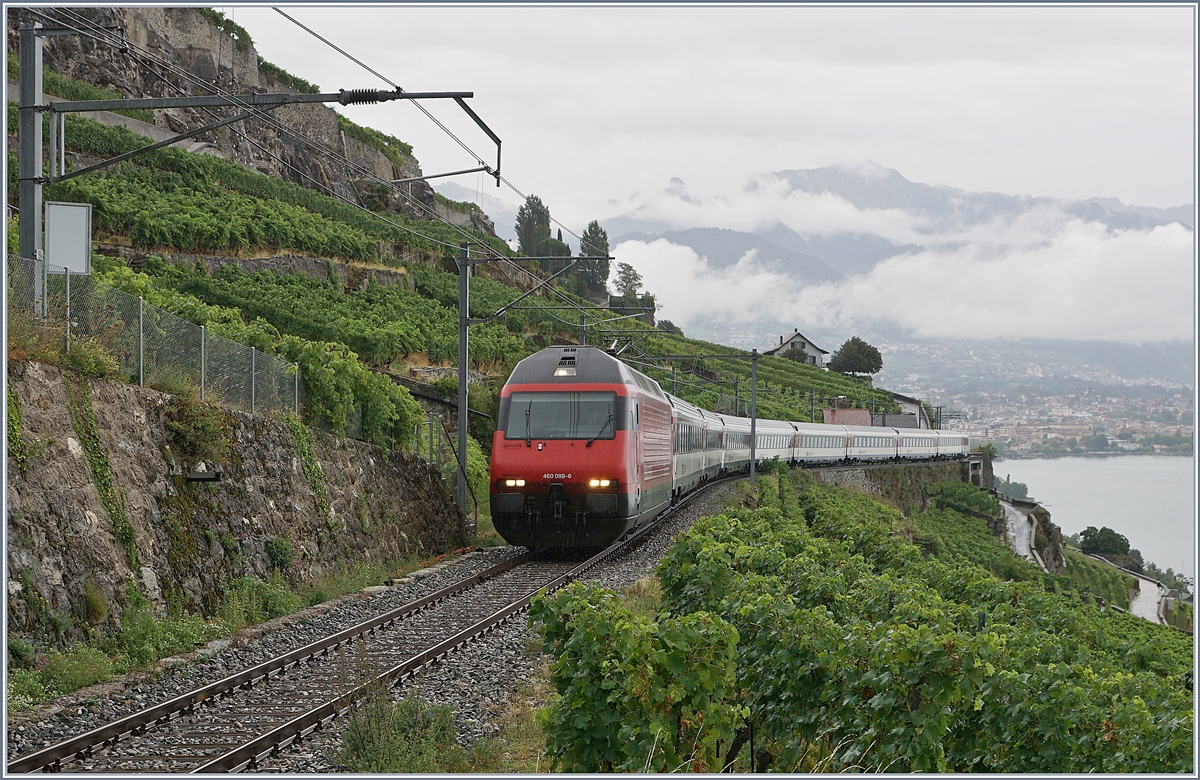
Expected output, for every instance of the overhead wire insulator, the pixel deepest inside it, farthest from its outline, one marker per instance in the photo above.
(350, 96)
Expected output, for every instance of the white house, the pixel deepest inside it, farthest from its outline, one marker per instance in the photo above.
(816, 355)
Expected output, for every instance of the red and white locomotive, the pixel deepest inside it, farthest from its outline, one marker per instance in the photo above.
(587, 448)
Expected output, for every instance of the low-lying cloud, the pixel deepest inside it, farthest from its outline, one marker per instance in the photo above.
(770, 200)
(1079, 280)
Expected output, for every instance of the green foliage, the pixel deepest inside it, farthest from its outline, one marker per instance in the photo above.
(205, 176)
(856, 652)
(94, 602)
(13, 235)
(856, 357)
(196, 430)
(57, 674)
(281, 552)
(21, 654)
(72, 89)
(987, 450)
(393, 148)
(404, 736)
(226, 24)
(83, 420)
(1102, 541)
(634, 694)
(143, 638)
(964, 496)
(249, 601)
(302, 437)
(670, 327)
(1014, 489)
(157, 210)
(629, 281)
(1169, 577)
(18, 450)
(352, 577)
(88, 357)
(1086, 576)
(796, 354)
(281, 76)
(953, 535)
(337, 384)
(532, 226)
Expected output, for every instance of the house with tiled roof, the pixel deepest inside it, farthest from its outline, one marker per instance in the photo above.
(816, 355)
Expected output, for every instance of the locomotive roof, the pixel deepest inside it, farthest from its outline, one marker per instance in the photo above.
(588, 365)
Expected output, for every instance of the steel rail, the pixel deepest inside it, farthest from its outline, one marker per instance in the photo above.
(270, 744)
(135, 724)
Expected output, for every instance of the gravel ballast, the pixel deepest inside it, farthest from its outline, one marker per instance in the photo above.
(477, 681)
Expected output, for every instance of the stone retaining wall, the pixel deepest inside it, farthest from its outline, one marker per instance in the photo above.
(67, 571)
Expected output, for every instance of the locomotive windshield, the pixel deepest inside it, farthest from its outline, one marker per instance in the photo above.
(560, 416)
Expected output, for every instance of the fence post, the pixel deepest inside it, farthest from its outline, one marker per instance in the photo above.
(201, 362)
(141, 347)
(296, 391)
(67, 279)
(253, 365)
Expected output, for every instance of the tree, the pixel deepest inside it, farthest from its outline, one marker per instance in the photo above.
(856, 357)
(1103, 541)
(795, 353)
(987, 450)
(594, 243)
(670, 327)
(629, 281)
(533, 226)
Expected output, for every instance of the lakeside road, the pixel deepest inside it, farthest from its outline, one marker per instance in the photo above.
(1147, 499)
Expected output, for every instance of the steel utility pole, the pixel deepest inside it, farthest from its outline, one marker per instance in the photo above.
(29, 166)
(753, 409)
(464, 320)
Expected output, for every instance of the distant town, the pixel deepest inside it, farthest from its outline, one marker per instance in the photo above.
(1045, 408)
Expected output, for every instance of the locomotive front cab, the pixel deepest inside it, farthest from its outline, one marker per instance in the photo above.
(564, 456)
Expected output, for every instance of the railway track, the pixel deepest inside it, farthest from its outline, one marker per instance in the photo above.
(235, 723)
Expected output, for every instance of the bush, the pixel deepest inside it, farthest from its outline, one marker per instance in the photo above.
(88, 357)
(249, 601)
(405, 736)
(144, 639)
(281, 552)
(56, 674)
(196, 430)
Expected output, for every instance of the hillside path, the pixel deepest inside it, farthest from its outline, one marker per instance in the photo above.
(1146, 603)
(1020, 531)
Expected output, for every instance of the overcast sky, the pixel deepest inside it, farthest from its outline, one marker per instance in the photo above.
(599, 107)
(598, 103)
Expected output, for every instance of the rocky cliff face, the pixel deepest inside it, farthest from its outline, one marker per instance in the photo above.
(69, 564)
(197, 46)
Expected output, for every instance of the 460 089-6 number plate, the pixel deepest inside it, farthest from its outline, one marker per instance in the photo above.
(556, 476)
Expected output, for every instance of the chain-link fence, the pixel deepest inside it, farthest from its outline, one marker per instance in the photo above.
(151, 346)
(432, 441)
(154, 348)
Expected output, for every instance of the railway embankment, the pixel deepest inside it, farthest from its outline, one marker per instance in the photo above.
(905, 487)
(114, 488)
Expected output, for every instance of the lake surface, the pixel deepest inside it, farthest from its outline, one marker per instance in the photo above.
(1146, 498)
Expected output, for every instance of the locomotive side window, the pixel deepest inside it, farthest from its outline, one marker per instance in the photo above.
(561, 416)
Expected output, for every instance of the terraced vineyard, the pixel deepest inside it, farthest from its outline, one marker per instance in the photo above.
(811, 620)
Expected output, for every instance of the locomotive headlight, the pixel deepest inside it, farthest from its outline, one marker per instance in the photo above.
(514, 483)
(600, 483)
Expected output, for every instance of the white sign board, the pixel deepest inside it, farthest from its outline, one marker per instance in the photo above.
(69, 236)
